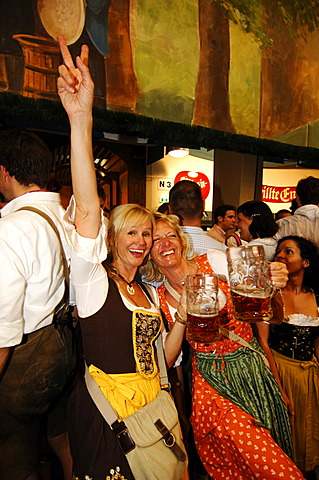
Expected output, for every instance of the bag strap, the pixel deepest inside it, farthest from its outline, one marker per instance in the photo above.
(236, 237)
(50, 221)
(233, 336)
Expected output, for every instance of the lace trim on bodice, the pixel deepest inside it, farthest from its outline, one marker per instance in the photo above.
(302, 320)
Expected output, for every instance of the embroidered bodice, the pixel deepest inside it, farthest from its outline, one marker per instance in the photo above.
(295, 337)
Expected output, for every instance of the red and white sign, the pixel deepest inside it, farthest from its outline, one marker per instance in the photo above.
(278, 194)
(200, 178)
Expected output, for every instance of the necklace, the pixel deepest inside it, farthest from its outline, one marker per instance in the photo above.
(181, 281)
(283, 305)
(129, 285)
(171, 290)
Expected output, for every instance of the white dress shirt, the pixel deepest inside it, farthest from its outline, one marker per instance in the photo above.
(303, 223)
(31, 268)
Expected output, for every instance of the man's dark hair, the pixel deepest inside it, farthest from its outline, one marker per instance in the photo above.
(164, 208)
(308, 191)
(278, 215)
(222, 210)
(263, 224)
(25, 156)
(185, 199)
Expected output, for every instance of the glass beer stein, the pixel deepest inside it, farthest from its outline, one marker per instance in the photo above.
(202, 308)
(250, 285)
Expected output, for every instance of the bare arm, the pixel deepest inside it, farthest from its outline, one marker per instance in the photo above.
(173, 343)
(76, 91)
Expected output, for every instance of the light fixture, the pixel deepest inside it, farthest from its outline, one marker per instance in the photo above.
(177, 152)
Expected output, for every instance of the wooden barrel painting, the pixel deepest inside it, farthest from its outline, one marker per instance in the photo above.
(41, 61)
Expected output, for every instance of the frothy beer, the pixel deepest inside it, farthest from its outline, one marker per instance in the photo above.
(251, 305)
(203, 328)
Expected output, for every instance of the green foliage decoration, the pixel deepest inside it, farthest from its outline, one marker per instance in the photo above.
(41, 114)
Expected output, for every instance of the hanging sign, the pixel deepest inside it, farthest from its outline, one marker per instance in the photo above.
(278, 194)
(200, 178)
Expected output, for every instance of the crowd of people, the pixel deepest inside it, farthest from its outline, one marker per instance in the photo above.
(250, 398)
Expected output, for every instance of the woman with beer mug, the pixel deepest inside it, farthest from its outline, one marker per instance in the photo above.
(294, 343)
(240, 422)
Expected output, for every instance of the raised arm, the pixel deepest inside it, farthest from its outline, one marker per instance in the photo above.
(76, 91)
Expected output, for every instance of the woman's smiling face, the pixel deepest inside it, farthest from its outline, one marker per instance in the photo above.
(133, 245)
(167, 246)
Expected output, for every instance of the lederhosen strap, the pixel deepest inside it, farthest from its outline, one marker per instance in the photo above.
(63, 306)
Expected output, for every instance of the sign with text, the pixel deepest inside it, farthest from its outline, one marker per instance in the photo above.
(164, 183)
(278, 194)
(200, 178)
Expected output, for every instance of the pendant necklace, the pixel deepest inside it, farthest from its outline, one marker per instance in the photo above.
(129, 285)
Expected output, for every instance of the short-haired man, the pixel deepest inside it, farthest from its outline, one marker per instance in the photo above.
(305, 220)
(36, 351)
(224, 220)
(185, 201)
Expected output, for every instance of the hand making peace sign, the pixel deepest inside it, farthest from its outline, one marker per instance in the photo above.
(75, 85)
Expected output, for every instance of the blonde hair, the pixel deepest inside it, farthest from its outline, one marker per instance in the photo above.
(150, 271)
(125, 217)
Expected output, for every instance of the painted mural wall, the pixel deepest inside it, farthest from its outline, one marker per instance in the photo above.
(198, 62)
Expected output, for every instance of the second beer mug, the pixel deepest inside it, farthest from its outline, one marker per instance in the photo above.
(249, 282)
(202, 308)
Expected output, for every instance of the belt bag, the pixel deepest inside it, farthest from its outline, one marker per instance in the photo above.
(151, 437)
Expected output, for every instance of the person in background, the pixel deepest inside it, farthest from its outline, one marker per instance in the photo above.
(37, 358)
(294, 205)
(224, 220)
(164, 208)
(305, 220)
(238, 412)
(102, 198)
(295, 345)
(282, 214)
(185, 201)
(257, 226)
(234, 239)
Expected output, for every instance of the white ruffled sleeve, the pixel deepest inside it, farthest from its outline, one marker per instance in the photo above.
(93, 250)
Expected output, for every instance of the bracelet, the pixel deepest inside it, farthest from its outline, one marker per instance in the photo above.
(179, 319)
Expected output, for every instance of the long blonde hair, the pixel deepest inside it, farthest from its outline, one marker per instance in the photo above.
(150, 271)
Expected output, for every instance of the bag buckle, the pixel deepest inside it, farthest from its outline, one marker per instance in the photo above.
(124, 438)
(169, 440)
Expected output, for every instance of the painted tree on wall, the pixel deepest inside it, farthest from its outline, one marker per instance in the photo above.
(297, 17)
(122, 89)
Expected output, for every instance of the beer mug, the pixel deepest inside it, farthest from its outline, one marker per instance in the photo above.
(202, 308)
(250, 285)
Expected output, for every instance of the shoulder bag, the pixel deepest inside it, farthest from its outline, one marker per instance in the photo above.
(151, 437)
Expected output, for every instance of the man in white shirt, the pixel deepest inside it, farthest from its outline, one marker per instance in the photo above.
(305, 220)
(36, 352)
(185, 201)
